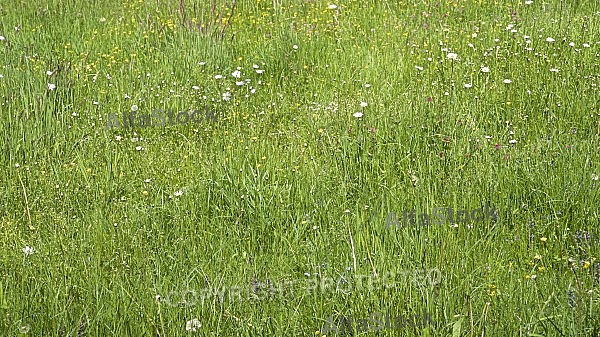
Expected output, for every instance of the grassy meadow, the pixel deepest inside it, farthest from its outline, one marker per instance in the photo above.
(325, 118)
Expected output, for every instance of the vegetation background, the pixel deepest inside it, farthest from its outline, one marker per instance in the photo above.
(329, 117)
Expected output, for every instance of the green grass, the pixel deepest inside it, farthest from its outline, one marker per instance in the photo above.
(287, 182)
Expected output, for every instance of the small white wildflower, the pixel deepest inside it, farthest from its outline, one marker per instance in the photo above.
(218, 77)
(507, 81)
(549, 39)
(134, 108)
(236, 74)
(28, 251)
(51, 86)
(512, 141)
(192, 325)
(363, 104)
(332, 6)
(259, 71)
(295, 46)
(595, 177)
(201, 63)
(358, 114)
(485, 70)
(195, 87)
(255, 66)
(240, 83)
(488, 137)
(2, 38)
(468, 85)
(419, 68)
(139, 148)
(49, 72)
(554, 70)
(367, 85)
(452, 56)
(585, 45)
(572, 44)
(528, 2)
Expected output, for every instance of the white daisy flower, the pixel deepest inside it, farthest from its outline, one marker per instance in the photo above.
(549, 39)
(332, 6)
(51, 86)
(358, 114)
(485, 70)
